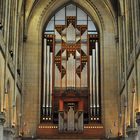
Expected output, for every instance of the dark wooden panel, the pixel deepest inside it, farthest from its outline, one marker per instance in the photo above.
(51, 131)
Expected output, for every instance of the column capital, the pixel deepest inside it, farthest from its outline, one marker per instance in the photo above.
(131, 132)
(2, 118)
(138, 118)
(117, 38)
(9, 131)
(1, 26)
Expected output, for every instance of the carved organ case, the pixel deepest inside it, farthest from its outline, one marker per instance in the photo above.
(70, 65)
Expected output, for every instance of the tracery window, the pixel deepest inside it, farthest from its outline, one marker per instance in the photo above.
(70, 63)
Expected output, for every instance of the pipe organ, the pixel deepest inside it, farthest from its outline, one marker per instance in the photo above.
(47, 77)
(94, 77)
(70, 74)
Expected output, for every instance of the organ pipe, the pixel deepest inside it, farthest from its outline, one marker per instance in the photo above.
(97, 74)
(93, 81)
(44, 74)
(51, 55)
(48, 80)
(91, 63)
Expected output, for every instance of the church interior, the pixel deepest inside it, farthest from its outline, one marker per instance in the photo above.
(70, 69)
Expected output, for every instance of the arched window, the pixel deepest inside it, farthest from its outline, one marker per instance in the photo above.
(70, 65)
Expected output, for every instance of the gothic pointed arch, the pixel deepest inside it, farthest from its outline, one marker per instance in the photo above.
(70, 62)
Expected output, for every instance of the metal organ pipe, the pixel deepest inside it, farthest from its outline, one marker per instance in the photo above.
(64, 65)
(93, 81)
(51, 56)
(91, 77)
(71, 71)
(74, 71)
(44, 76)
(48, 75)
(97, 77)
(68, 72)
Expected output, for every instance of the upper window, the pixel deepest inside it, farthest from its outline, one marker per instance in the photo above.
(71, 10)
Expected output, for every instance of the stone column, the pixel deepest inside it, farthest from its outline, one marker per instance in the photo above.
(125, 118)
(2, 120)
(131, 130)
(132, 121)
(138, 122)
(9, 133)
(132, 133)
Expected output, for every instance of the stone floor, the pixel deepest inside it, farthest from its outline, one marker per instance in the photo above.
(60, 139)
(75, 139)
(70, 139)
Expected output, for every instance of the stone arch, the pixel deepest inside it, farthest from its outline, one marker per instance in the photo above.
(107, 27)
(44, 21)
(48, 9)
(95, 15)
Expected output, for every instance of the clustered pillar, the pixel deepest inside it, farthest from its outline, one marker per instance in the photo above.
(138, 123)
(2, 121)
